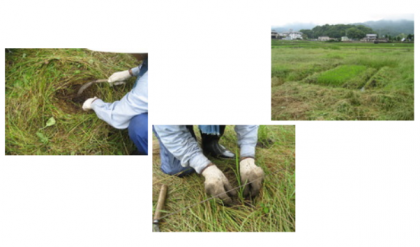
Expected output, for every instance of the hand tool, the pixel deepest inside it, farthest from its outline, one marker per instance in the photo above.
(161, 201)
(88, 84)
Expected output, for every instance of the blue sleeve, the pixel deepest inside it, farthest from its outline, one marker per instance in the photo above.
(119, 113)
(247, 139)
(181, 144)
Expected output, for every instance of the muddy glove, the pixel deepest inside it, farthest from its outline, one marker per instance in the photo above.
(118, 77)
(251, 173)
(216, 184)
(88, 104)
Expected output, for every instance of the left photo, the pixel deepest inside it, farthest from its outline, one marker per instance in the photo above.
(76, 102)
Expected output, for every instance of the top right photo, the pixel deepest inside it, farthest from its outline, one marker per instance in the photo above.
(359, 67)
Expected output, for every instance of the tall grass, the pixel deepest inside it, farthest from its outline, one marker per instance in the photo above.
(272, 211)
(310, 81)
(40, 84)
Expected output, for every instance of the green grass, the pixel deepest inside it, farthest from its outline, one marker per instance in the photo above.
(40, 84)
(272, 211)
(342, 81)
(340, 75)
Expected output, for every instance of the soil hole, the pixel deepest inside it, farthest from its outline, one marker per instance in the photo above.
(67, 100)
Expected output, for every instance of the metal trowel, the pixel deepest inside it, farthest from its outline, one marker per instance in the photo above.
(88, 84)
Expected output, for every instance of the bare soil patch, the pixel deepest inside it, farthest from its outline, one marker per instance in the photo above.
(69, 102)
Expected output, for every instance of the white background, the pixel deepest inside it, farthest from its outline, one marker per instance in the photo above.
(357, 182)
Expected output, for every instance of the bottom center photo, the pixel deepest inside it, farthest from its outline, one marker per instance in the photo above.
(224, 178)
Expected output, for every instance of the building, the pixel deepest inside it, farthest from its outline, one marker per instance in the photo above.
(381, 40)
(275, 35)
(371, 37)
(295, 35)
(323, 38)
(345, 38)
(291, 35)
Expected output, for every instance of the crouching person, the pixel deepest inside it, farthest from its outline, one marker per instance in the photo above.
(181, 155)
(132, 110)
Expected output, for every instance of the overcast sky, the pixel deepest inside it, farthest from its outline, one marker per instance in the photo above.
(338, 18)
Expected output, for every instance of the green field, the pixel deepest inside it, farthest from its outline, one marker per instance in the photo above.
(342, 81)
(272, 211)
(42, 115)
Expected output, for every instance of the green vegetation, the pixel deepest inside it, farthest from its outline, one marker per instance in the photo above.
(341, 74)
(42, 116)
(337, 31)
(342, 81)
(272, 211)
(391, 28)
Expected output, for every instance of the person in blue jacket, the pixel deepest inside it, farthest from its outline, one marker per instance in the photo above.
(181, 155)
(131, 111)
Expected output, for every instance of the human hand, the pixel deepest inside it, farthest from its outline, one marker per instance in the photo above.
(217, 185)
(252, 174)
(118, 77)
(87, 105)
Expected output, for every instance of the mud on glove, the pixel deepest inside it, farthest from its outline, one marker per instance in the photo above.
(252, 174)
(216, 184)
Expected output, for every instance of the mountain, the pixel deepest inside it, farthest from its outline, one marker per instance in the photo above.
(389, 27)
(294, 26)
(382, 27)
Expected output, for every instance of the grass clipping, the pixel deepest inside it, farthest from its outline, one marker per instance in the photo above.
(272, 211)
(41, 84)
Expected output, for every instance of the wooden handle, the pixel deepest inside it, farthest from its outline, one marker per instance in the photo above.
(161, 201)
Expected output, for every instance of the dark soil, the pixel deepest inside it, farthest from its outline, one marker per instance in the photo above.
(67, 100)
(265, 144)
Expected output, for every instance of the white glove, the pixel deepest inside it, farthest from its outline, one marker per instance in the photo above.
(216, 184)
(251, 173)
(88, 104)
(118, 77)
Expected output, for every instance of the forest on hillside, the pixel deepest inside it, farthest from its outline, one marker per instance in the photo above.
(337, 31)
(391, 28)
(384, 28)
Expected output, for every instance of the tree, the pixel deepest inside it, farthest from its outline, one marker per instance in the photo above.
(355, 33)
(339, 30)
(308, 33)
(410, 36)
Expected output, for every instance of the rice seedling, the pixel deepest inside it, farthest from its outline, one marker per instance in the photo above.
(340, 75)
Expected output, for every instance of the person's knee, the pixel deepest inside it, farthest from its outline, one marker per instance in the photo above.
(177, 171)
(138, 127)
(138, 132)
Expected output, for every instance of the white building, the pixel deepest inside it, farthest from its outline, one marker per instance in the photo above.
(291, 35)
(323, 38)
(345, 38)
